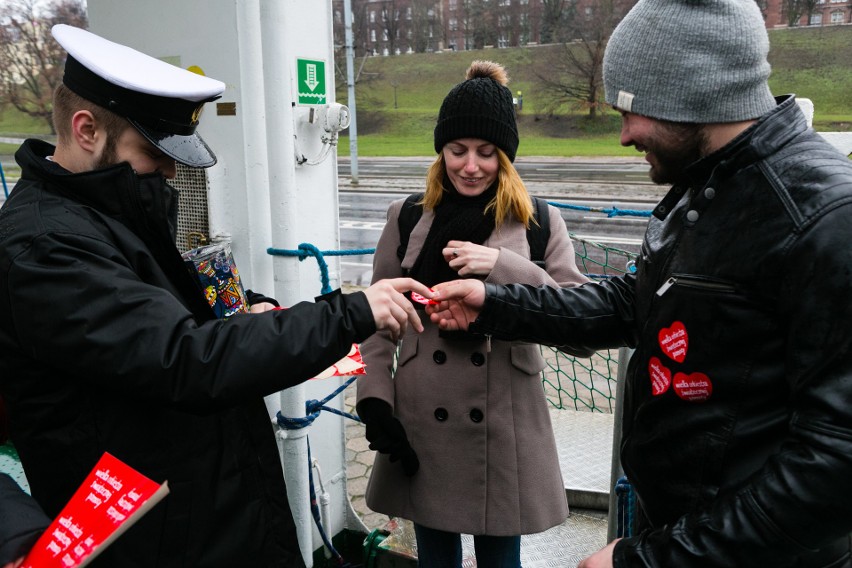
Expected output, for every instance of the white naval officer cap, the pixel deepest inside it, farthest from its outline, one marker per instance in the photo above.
(162, 101)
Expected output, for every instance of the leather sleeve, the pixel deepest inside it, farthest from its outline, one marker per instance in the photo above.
(596, 315)
(21, 522)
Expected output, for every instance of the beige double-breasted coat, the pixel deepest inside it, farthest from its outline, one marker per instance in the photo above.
(477, 418)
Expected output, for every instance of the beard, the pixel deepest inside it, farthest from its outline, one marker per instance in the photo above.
(108, 156)
(673, 147)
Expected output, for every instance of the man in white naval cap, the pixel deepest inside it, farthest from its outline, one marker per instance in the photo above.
(107, 344)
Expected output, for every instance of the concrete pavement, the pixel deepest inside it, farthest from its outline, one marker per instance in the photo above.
(359, 464)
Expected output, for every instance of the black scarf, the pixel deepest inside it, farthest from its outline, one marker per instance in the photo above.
(457, 217)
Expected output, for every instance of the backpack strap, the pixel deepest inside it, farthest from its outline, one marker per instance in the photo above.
(538, 235)
(409, 215)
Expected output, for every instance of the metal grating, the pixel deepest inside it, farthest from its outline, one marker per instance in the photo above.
(193, 228)
(10, 464)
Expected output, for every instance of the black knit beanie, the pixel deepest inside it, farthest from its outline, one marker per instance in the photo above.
(479, 107)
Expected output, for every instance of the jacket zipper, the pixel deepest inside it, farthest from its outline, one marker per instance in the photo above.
(698, 283)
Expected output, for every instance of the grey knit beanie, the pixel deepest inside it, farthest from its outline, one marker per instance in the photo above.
(699, 61)
(479, 107)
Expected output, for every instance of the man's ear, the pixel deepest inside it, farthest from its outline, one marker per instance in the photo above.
(85, 131)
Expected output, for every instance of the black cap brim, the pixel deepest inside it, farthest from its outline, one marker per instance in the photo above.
(189, 150)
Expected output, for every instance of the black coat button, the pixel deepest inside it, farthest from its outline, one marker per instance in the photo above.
(441, 414)
(439, 357)
(477, 359)
(476, 415)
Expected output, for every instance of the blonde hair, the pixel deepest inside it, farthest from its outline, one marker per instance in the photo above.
(512, 197)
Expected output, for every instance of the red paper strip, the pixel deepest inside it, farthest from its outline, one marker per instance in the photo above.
(110, 500)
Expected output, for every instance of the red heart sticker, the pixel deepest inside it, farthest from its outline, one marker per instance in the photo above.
(695, 387)
(423, 300)
(661, 377)
(674, 341)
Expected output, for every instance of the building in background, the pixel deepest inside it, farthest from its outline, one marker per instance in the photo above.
(803, 13)
(393, 27)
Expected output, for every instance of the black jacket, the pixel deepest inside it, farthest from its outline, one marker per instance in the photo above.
(737, 429)
(108, 344)
(21, 522)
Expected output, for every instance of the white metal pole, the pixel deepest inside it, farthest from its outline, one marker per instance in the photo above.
(256, 150)
(350, 82)
(283, 210)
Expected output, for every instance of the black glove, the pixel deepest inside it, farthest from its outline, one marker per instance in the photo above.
(386, 434)
(253, 298)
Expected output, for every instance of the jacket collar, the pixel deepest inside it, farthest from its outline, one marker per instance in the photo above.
(144, 203)
(772, 131)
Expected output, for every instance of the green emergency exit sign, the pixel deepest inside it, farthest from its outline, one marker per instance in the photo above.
(311, 76)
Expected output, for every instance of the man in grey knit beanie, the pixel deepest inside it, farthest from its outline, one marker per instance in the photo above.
(690, 62)
(699, 61)
(737, 410)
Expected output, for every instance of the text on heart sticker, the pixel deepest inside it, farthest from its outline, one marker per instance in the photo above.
(695, 387)
(661, 377)
(674, 341)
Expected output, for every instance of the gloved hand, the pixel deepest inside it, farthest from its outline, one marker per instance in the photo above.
(386, 434)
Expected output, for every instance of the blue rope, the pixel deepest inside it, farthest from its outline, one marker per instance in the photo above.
(3, 179)
(626, 508)
(312, 411)
(611, 212)
(315, 512)
(306, 249)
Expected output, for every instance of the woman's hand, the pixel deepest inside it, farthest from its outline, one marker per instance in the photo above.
(468, 258)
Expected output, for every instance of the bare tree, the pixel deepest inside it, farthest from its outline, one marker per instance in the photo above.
(573, 74)
(554, 14)
(478, 23)
(390, 25)
(360, 25)
(32, 60)
(810, 6)
(795, 9)
(427, 26)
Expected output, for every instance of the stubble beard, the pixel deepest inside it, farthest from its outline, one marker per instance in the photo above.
(108, 156)
(675, 147)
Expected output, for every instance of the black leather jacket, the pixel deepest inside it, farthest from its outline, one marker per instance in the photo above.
(107, 344)
(21, 523)
(737, 429)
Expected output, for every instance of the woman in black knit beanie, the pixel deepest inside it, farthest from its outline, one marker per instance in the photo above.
(460, 421)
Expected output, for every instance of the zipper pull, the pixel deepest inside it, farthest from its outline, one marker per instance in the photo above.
(488, 343)
(666, 285)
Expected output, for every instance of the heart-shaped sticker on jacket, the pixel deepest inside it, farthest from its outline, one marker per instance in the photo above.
(674, 341)
(661, 377)
(694, 387)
